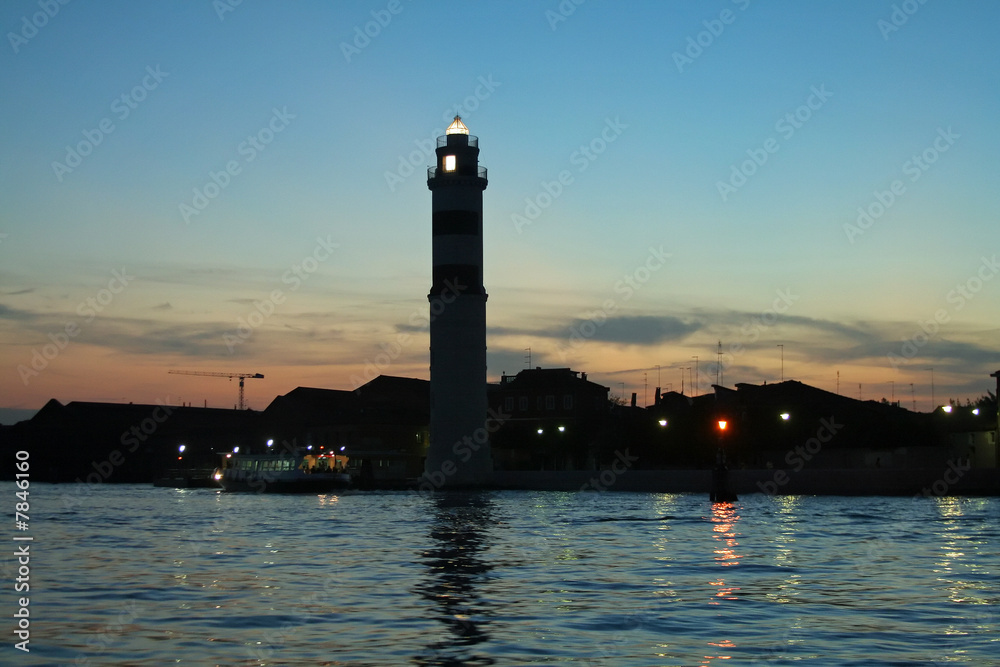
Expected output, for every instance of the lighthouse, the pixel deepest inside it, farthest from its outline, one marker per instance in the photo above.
(459, 453)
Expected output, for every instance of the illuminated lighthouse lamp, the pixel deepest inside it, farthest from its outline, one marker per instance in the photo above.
(456, 127)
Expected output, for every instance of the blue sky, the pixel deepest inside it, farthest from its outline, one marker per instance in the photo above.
(317, 243)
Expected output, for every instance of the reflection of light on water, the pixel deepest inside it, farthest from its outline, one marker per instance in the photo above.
(785, 517)
(328, 499)
(724, 516)
(959, 557)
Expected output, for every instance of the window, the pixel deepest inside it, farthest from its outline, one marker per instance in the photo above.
(522, 403)
(550, 402)
(539, 402)
(449, 163)
(508, 404)
(567, 401)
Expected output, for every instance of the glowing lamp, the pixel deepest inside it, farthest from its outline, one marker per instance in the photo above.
(975, 411)
(182, 448)
(540, 431)
(946, 408)
(457, 127)
(662, 422)
(785, 416)
(722, 424)
(562, 429)
(236, 450)
(270, 443)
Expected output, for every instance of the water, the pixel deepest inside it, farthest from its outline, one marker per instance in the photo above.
(135, 575)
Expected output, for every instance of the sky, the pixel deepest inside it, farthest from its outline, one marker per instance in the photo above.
(241, 187)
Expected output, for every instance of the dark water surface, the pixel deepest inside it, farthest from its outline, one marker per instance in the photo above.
(135, 575)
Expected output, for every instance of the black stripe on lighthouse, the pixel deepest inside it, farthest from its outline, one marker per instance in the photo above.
(456, 279)
(455, 222)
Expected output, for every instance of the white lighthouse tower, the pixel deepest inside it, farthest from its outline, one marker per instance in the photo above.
(459, 453)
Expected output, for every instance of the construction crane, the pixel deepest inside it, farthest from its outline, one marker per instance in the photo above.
(241, 376)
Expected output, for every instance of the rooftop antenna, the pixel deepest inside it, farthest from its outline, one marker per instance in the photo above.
(694, 380)
(933, 401)
(718, 366)
(527, 357)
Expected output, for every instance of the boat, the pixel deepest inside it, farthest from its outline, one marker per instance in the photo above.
(289, 472)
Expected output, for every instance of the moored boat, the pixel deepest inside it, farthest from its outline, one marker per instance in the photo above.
(298, 472)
